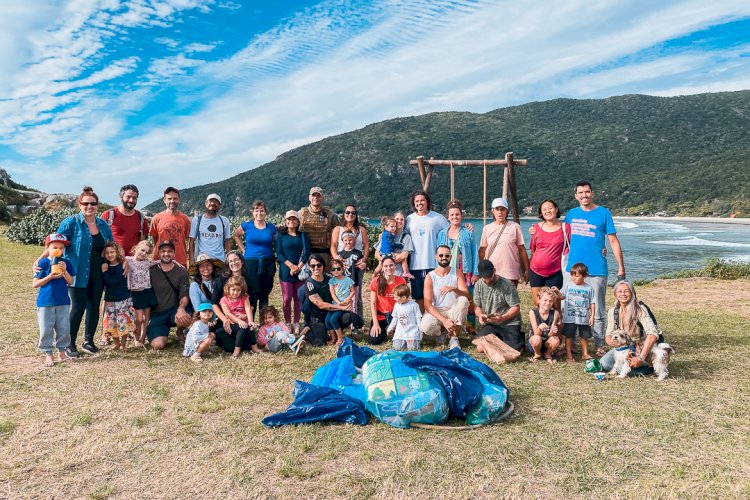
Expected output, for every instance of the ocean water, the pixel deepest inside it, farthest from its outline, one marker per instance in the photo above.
(656, 247)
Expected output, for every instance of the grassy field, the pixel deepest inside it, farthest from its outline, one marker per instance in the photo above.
(158, 426)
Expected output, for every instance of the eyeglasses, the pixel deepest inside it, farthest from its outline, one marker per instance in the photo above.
(89, 203)
(444, 255)
(350, 212)
(315, 265)
(337, 269)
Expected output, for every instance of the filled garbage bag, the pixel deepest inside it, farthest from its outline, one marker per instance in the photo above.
(359, 354)
(341, 374)
(491, 404)
(319, 404)
(462, 386)
(399, 395)
(467, 361)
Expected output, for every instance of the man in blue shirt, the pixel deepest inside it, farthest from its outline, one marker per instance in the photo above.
(590, 224)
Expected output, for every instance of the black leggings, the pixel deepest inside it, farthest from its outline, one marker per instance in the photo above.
(84, 300)
(243, 338)
(260, 282)
(380, 338)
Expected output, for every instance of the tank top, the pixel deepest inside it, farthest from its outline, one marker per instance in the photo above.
(443, 301)
(548, 321)
(357, 242)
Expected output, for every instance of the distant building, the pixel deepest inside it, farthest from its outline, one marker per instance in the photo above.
(528, 210)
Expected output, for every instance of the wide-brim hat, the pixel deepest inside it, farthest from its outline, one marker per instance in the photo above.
(204, 257)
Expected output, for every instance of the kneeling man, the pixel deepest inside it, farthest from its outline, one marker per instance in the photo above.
(171, 284)
(497, 307)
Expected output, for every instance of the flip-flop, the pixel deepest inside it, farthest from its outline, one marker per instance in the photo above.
(48, 364)
(551, 361)
(534, 359)
(570, 361)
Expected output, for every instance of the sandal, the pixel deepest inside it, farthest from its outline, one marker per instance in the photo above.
(570, 361)
(48, 363)
(534, 359)
(600, 351)
(551, 361)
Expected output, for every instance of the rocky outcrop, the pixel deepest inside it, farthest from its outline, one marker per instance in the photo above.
(35, 199)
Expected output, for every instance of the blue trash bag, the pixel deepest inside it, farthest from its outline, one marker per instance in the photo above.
(467, 361)
(341, 374)
(359, 354)
(461, 385)
(490, 405)
(319, 404)
(399, 395)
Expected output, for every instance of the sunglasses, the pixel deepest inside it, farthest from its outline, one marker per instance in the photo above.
(89, 203)
(444, 255)
(350, 212)
(337, 269)
(315, 265)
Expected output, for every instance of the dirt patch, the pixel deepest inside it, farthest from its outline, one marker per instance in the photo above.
(693, 294)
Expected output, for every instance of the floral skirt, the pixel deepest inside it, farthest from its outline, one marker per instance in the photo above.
(119, 318)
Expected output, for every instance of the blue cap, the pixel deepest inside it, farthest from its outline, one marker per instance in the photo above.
(205, 306)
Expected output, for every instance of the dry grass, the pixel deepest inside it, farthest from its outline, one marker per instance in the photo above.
(156, 425)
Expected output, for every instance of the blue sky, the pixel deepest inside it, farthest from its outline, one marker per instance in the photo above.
(185, 92)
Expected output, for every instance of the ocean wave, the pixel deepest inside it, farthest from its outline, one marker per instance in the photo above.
(670, 226)
(626, 225)
(694, 241)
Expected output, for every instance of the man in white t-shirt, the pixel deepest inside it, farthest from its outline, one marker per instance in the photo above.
(210, 232)
(423, 225)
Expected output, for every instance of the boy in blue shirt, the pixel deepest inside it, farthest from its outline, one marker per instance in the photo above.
(53, 302)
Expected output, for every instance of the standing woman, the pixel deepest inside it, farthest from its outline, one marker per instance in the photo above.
(549, 242)
(502, 244)
(87, 234)
(292, 250)
(257, 248)
(382, 300)
(362, 243)
(464, 254)
(235, 267)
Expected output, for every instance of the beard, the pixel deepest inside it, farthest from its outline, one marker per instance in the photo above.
(444, 263)
(129, 205)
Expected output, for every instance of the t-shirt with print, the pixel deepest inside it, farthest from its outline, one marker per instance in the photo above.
(406, 319)
(589, 230)
(210, 237)
(497, 298)
(504, 253)
(258, 242)
(55, 292)
(576, 306)
(350, 258)
(342, 286)
(384, 303)
(321, 289)
(424, 231)
(127, 230)
(174, 227)
(139, 276)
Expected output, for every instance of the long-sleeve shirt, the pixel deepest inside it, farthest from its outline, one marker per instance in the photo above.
(405, 319)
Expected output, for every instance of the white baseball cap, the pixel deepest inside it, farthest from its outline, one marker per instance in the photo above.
(500, 202)
(214, 196)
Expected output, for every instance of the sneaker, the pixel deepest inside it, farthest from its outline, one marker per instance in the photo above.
(89, 348)
(196, 357)
(454, 343)
(72, 352)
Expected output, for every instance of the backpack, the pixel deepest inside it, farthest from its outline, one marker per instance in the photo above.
(648, 311)
(111, 219)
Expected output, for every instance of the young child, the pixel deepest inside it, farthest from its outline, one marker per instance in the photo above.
(405, 320)
(53, 303)
(342, 293)
(351, 256)
(389, 245)
(274, 334)
(578, 310)
(544, 321)
(119, 317)
(235, 304)
(139, 284)
(199, 337)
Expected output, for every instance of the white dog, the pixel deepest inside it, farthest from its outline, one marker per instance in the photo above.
(659, 357)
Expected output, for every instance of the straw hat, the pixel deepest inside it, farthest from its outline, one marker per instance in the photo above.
(193, 270)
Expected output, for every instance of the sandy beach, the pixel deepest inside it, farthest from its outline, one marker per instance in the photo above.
(718, 220)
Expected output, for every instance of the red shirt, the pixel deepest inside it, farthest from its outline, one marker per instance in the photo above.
(125, 228)
(171, 227)
(547, 249)
(384, 303)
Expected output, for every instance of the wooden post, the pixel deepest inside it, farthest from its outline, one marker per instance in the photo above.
(428, 177)
(453, 183)
(511, 169)
(484, 197)
(420, 167)
(505, 183)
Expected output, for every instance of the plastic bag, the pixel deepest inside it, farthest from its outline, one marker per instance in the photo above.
(341, 374)
(359, 354)
(399, 395)
(319, 404)
(467, 361)
(462, 386)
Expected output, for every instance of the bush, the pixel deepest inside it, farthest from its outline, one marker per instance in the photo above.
(33, 228)
(716, 268)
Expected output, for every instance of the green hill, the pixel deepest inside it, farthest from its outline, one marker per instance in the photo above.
(689, 155)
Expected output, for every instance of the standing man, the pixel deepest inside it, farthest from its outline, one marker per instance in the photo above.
(210, 232)
(423, 225)
(589, 224)
(170, 283)
(318, 221)
(128, 225)
(497, 307)
(171, 225)
(446, 299)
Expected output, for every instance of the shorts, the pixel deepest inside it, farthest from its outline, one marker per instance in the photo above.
(417, 284)
(538, 281)
(569, 331)
(144, 299)
(160, 324)
(543, 347)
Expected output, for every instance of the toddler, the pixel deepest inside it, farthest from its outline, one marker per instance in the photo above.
(235, 304)
(119, 317)
(579, 310)
(405, 320)
(139, 284)
(389, 245)
(274, 334)
(199, 337)
(53, 303)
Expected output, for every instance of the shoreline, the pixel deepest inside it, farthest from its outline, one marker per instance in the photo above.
(719, 220)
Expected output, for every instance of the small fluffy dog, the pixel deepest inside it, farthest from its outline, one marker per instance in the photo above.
(659, 357)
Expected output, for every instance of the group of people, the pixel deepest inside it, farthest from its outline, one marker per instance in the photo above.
(321, 261)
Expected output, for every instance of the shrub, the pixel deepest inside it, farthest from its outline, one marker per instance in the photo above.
(33, 228)
(716, 268)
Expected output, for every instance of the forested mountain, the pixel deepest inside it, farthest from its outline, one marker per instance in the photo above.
(689, 155)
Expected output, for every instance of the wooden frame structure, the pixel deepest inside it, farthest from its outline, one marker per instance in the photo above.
(426, 167)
